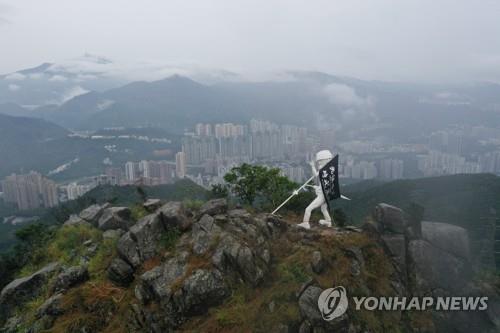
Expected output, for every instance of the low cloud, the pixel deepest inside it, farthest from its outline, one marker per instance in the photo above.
(15, 77)
(68, 94)
(343, 95)
(58, 78)
(349, 105)
(35, 76)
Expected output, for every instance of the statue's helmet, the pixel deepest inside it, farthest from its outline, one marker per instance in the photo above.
(323, 155)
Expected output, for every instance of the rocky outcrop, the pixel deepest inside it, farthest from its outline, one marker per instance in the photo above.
(140, 242)
(152, 204)
(436, 270)
(115, 218)
(214, 207)
(25, 288)
(449, 238)
(180, 263)
(93, 213)
(221, 248)
(71, 277)
(174, 216)
(120, 272)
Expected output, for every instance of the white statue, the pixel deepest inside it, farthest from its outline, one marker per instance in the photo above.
(322, 158)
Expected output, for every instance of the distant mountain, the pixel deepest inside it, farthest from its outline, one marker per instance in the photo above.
(56, 83)
(23, 130)
(93, 92)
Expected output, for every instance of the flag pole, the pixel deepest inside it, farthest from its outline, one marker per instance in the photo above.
(293, 194)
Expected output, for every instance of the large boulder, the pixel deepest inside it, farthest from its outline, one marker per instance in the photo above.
(51, 307)
(395, 246)
(435, 269)
(450, 238)
(157, 284)
(201, 290)
(115, 218)
(173, 216)
(152, 204)
(71, 277)
(214, 207)
(205, 233)
(120, 272)
(25, 288)
(233, 256)
(93, 213)
(146, 233)
(390, 218)
(127, 249)
(140, 243)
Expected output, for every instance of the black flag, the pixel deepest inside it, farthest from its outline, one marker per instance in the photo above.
(329, 179)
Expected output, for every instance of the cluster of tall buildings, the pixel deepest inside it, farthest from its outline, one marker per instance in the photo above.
(149, 172)
(388, 168)
(260, 140)
(30, 191)
(437, 163)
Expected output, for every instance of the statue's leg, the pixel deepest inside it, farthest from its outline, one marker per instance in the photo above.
(326, 214)
(316, 203)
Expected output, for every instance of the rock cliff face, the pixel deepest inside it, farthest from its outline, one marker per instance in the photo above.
(222, 269)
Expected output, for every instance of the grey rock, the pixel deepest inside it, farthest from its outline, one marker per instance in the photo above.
(205, 233)
(115, 218)
(120, 272)
(93, 213)
(146, 233)
(201, 290)
(308, 304)
(173, 216)
(127, 249)
(390, 217)
(25, 288)
(450, 238)
(51, 307)
(357, 260)
(233, 256)
(140, 242)
(71, 277)
(214, 207)
(396, 247)
(309, 282)
(112, 234)
(436, 269)
(152, 204)
(317, 262)
(157, 283)
(239, 213)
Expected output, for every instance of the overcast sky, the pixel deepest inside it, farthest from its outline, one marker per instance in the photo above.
(410, 40)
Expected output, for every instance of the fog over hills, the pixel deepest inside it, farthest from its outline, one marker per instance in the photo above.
(91, 92)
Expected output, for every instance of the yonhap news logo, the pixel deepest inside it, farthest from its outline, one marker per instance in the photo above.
(333, 303)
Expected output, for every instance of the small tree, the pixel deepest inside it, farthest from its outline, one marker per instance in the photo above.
(252, 182)
(219, 191)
